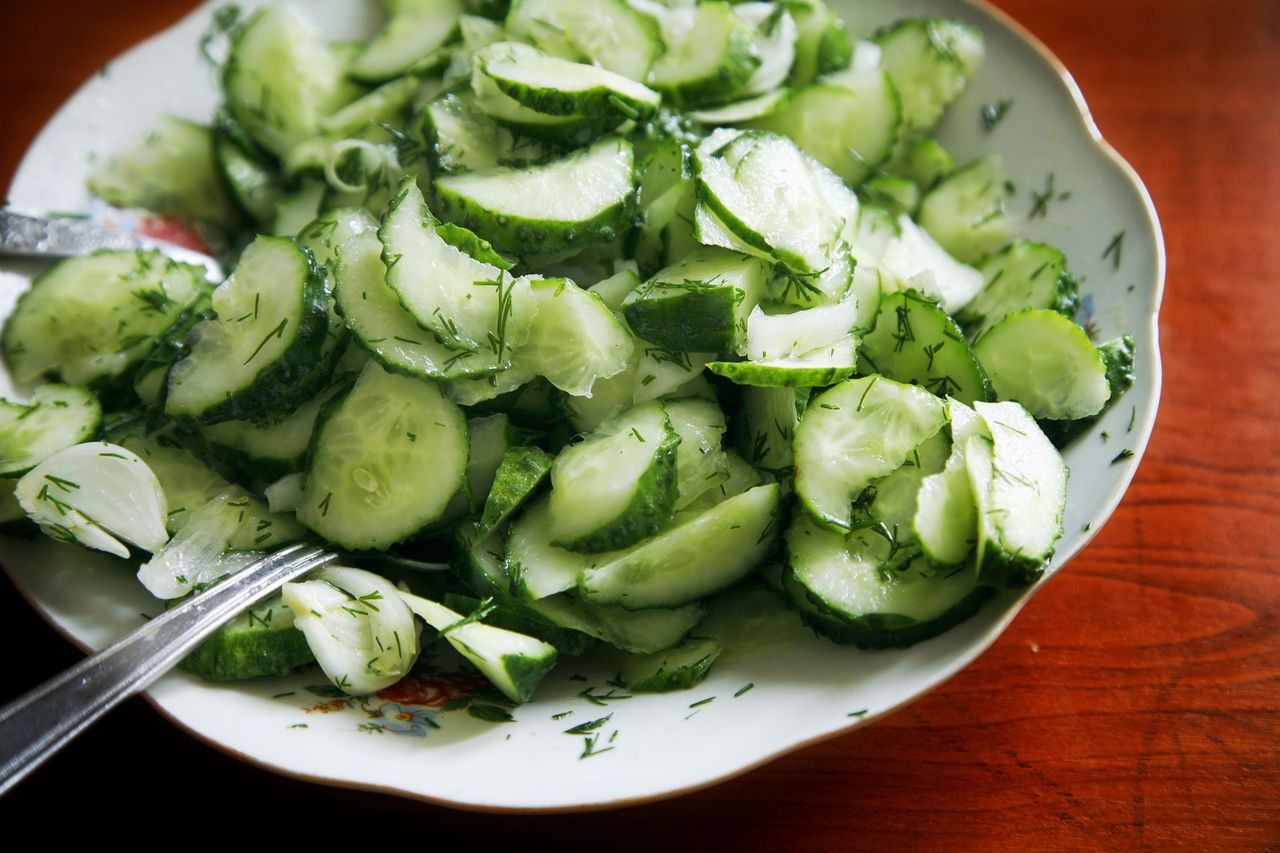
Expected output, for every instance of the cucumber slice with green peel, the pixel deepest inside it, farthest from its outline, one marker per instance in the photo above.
(770, 418)
(266, 451)
(299, 207)
(1117, 355)
(665, 231)
(488, 438)
(382, 327)
(701, 553)
(473, 244)
(782, 335)
(856, 432)
(1045, 362)
(813, 369)
(58, 416)
(888, 504)
(384, 105)
(614, 289)
(537, 567)
(677, 668)
(514, 663)
(896, 194)
(931, 60)
(867, 289)
(281, 79)
(846, 588)
(189, 484)
(608, 33)
(1019, 483)
(619, 485)
(324, 234)
(559, 87)
(585, 198)
(575, 340)
(925, 162)
(410, 41)
(699, 304)
(96, 494)
(561, 130)
(739, 477)
(822, 43)
(710, 230)
(92, 320)
(360, 630)
(774, 36)
(916, 342)
(710, 55)
(946, 520)
(848, 121)
(701, 464)
(460, 137)
(521, 472)
(261, 641)
(172, 171)
(471, 306)
(271, 324)
(1021, 275)
(364, 495)
(965, 212)
(916, 260)
(741, 112)
(249, 175)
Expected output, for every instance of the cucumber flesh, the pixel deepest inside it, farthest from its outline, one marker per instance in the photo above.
(575, 340)
(411, 40)
(677, 668)
(261, 641)
(608, 33)
(915, 259)
(966, 213)
(1022, 275)
(519, 474)
(57, 417)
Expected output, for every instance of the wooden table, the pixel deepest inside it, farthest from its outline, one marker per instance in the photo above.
(1134, 703)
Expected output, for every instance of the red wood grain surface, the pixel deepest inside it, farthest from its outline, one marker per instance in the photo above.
(1135, 703)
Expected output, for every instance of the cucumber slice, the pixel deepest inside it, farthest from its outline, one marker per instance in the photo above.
(566, 131)
(558, 87)
(382, 327)
(619, 485)
(1020, 491)
(1021, 275)
(92, 320)
(946, 518)
(816, 368)
(701, 553)
(270, 327)
(858, 431)
(774, 37)
(614, 289)
(664, 232)
(261, 641)
(513, 662)
(575, 340)
(915, 259)
(95, 494)
(519, 474)
(1045, 362)
(822, 44)
(459, 137)
(608, 33)
(488, 438)
(298, 208)
(472, 307)
(189, 484)
(699, 304)
(677, 668)
(965, 212)
(58, 416)
(770, 418)
(867, 289)
(710, 54)
(1118, 356)
(281, 79)
(385, 104)
(848, 121)
(786, 335)
(410, 42)
(925, 162)
(931, 60)
(579, 200)
(888, 504)
(521, 620)
(848, 588)
(897, 195)
(371, 495)
(357, 625)
(740, 112)
(916, 342)
(701, 464)
(172, 170)
(324, 234)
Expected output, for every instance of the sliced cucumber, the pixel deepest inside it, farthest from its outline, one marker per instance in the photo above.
(58, 416)
(92, 320)
(585, 198)
(619, 485)
(916, 260)
(1117, 355)
(895, 194)
(701, 553)
(1020, 491)
(384, 105)
(521, 619)
(608, 33)
(815, 368)
(699, 304)
(774, 39)
(1021, 275)
(858, 431)
(95, 494)
(946, 521)
(261, 641)
(701, 464)
(925, 162)
(741, 112)
(966, 213)
(271, 324)
(710, 54)
(677, 668)
(558, 87)
(931, 60)
(847, 587)
(1045, 362)
(916, 342)
(575, 340)
(410, 42)
(615, 289)
(363, 494)
(460, 138)
(553, 130)
(822, 43)
(324, 234)
(519, 474)
(770, 418)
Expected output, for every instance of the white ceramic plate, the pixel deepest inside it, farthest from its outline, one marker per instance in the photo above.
(659, 745)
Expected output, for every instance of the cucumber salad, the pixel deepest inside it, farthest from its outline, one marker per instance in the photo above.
(623, 310)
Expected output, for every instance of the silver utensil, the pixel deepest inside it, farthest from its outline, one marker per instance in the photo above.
(39, 723)
(22, 235)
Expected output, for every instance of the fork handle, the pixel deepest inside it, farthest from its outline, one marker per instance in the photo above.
(37, 236)
(39, 723)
